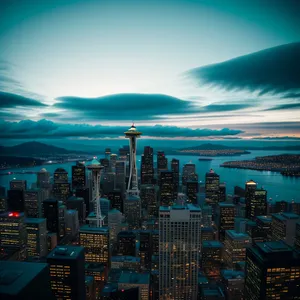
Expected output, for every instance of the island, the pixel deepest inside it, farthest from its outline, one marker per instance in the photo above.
(286, 164)
(212, 150)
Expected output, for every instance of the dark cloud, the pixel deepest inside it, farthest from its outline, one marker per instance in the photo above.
(277, 138)
(292, 95)
(8, 100)
(215, 107)
(285, 106)
(126, 106)
(47, 129)
(273, 70)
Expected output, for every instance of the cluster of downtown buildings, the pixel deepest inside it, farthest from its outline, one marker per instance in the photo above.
(158, 234)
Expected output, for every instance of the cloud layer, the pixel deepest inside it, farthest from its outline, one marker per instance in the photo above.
(28, 129)
(8, 100)
(274, 70)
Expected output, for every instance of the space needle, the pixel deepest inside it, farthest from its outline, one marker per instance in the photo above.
(132, 134)
(95, 167)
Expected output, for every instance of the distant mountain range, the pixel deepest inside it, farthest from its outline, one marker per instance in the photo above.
(35, 149)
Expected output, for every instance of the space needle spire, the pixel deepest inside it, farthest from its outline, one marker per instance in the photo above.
(95, 167)
(132, 134)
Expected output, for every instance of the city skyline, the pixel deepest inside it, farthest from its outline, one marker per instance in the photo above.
(181, 69)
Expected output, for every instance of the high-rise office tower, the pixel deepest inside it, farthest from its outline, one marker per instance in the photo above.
(112, 162)
(95, 241)
(189, 173)
(206, 215)
(96, 169)
(12, 230)
(51, 213)
(85, 194)
(132, 134)
(78, 176)
(61, 187)
(36, 229)
(281, 206)
(211, 258)
(77, 203)
(222, 192)
(212, 189)
(132, 211)
(147, 169)
(283, 227)
(162, 162)
(71, 222)
(272, 272)
(33, 200)
(263, 228)
(149, 195)
(145, 249)
(61, 217)
(105, 206)
(108, 183)
(179, 247)
(43, 179)
(129, 280)
(114, 220)
(175, 170)
(250, 188)
(234, 284)
(15, 200)
(90, 288)
(167, 195)
(126, 243)
(3, 204)
(126, 263)
(105, 163)
(256, 202)
(225, 215)
(120, 179)
(18, 185)
(67, 275)
(116, 200)
(235, 247)
(124, 153)
(192, 189)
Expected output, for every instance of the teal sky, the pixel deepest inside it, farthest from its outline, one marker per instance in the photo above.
(62, 52)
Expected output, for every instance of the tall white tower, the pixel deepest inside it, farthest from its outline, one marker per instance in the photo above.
(132, 134)
(96, 169)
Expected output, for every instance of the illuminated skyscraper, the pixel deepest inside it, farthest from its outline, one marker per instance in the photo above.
(120, 179)
(147, 169)
(78, 176)
(18, 185)
(225, 215)
(132, 134)
(95, 169)
(212, 190)
(33, 200)
(36, 229)
(67, 275)
(179, 250)
(132, 211)
(149, 194)
(256, 202)
(250, 189)
(126, 243)
(272, 272)
(43, 179)
(61, 187)
(175, 170)
(189, 173)
(95, 241)
(167, 195)
(114, 219)
(192, 189)
(51, 213)
(162, 162)
(283, 227)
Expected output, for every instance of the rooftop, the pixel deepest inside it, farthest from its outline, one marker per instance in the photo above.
(15, 275)
(212, 244)
(237, 236)
(190, 207)
(286, 216)
(134, 278)
(224, 204)
(35, 220)
(232, 274)
(264, 219)
(66, 252)
(74, 198)
(272, 247)
(87, 228)
(125, 258)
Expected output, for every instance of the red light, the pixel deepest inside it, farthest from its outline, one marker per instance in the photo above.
(14, 214)
(122, 291)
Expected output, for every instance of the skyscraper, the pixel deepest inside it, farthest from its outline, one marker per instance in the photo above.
(145, 249)
(78, 176)
(167, 195)
(36, 229)
(256, 201)
(18, 184)
(43, 179)
(67, 275)
(15, 200)
(147, 169)
(189, 173)
(116, 200)
(51, 213)
(95, 241)
(120, 178)
(61, 187)
(272, 272)
(283, 227)
(179, 247)
(126, 243)
(225, 215)
(250, 188)
(162, 162)
(132, 211)
(192, 189)
(212, 190)
(132, 134)
(33, 200)
(175, 170)
(149, 195)
(114, 219)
